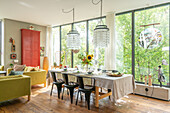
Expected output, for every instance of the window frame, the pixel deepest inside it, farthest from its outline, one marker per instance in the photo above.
(133, 37)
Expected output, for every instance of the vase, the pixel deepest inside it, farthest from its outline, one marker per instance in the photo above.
(45, 64)
(86, 67)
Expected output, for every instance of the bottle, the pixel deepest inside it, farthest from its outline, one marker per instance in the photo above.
(145, 80)
(150, 80)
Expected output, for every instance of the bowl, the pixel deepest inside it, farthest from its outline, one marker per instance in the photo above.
(89, 72)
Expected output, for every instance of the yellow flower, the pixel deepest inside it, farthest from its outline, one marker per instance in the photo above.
(89, 57)
(92, 55)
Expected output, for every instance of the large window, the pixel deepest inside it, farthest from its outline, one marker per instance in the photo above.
(152, 43)
(143, 43)
(65, 52)
(56, 45)
(124, 43)
(67, 57)
(101, 51)
(81, 28)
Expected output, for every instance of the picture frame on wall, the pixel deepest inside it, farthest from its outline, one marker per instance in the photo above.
(42, 49)
(13, 56)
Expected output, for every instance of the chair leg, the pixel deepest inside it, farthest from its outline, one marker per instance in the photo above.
(77, 96)
(101, 89)
(81, 96)
(51, 89)
(109, 90)
(67, 92)
(88, 99)
(62, 93)
(59, 86)
(71, 94)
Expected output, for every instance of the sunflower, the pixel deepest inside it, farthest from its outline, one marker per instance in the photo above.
(92, 55)
(89, 57)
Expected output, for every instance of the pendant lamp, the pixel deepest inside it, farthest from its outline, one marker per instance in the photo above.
(73, 37)
(101, 32)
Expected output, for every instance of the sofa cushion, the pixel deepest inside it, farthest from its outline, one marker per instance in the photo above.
(16, 73)
(19, 67)
(28, 69)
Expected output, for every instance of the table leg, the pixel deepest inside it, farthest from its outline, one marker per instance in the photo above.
(97, 96)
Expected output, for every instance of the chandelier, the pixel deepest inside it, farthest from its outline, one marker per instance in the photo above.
(73, 37)
(101, 32)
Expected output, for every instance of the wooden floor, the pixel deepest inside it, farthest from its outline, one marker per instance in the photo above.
(41, 102)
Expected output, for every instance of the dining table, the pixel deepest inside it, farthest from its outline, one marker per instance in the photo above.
(119, 86)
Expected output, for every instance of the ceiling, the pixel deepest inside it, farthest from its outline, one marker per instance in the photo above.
(49, 12)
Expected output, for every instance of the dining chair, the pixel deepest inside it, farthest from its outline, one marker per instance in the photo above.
(69, 85)
(58, 83)
(85, 89)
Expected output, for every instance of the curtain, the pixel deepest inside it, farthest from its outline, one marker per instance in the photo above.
(49, 46)
(110, 51)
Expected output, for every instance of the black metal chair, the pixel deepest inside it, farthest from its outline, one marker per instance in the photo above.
(85, 89)
(70, 86)
(58, 83)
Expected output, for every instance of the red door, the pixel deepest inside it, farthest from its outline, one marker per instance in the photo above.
(36, 48)
(30, 41)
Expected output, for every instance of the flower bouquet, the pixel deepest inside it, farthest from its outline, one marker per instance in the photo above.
(85, 59)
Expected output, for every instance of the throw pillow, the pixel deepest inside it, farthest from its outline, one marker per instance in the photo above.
(36, 68)
(19, 67)
(28, 69)
(15, 73)
(25, 69)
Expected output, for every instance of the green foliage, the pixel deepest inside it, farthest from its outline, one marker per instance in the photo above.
(145, 59)
(67, 52)
(55, 64)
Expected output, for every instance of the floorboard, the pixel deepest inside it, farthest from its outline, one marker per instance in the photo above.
(41, 102)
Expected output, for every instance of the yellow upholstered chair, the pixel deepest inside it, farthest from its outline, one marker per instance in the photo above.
(1, 68)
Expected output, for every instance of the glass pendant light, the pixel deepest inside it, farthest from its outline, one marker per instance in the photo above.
(101, 32)
(73, 40)
(73, 37)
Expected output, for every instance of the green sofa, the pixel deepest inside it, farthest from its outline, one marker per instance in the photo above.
(37, 77)
(14, 86)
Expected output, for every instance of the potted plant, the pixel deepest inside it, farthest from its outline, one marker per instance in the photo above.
(55, 64)
(11, 65)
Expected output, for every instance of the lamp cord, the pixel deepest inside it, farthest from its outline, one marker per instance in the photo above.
(69, 12)
(101, 8)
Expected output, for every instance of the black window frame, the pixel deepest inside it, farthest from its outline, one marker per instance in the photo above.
(133, 37)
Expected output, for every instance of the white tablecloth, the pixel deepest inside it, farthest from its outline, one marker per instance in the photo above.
(120, 86)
